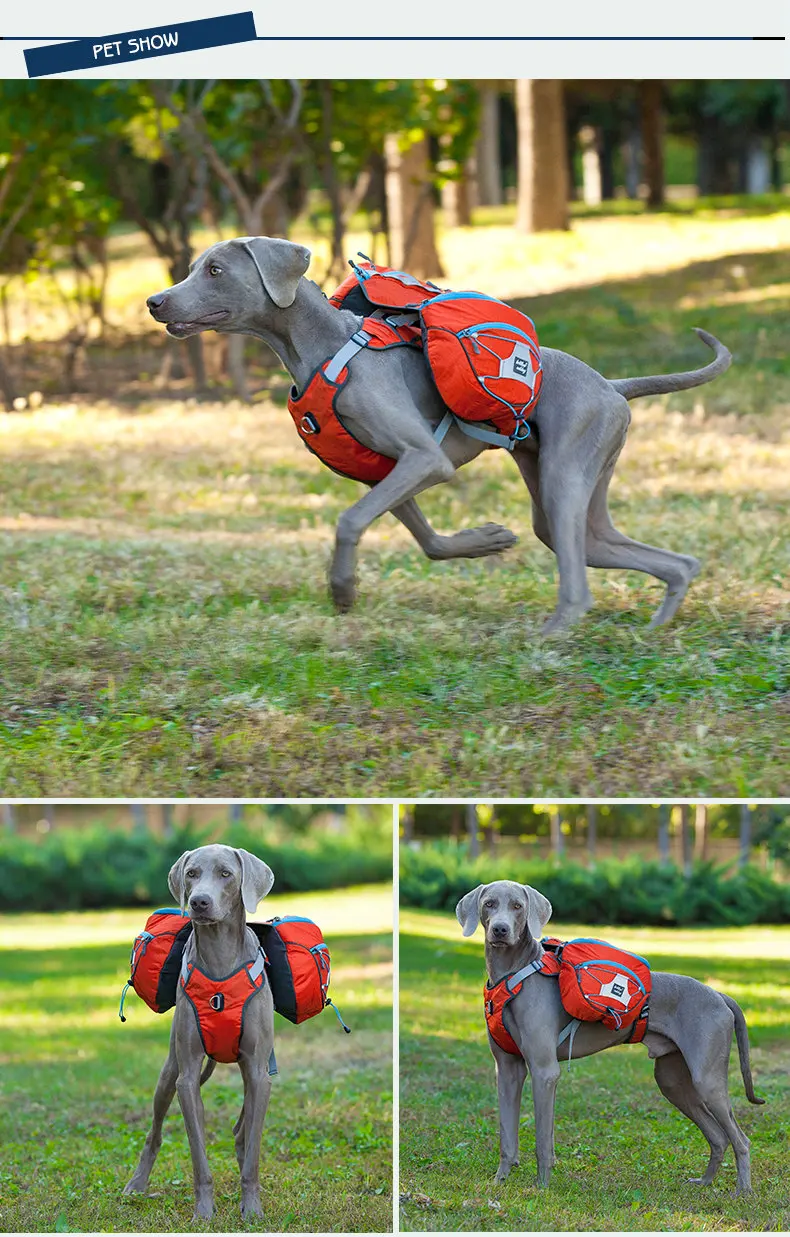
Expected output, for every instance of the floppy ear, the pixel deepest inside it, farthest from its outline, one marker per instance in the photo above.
(175, 879)
(280, 264)
(468, 910)
(538, 911)
(257, 879)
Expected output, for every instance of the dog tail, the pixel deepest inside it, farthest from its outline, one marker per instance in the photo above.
(211, 1065)
(661, 384)
(742, 1039)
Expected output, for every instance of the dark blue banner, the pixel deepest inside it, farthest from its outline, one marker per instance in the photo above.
(164, 40)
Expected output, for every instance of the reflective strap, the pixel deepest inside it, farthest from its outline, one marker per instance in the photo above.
(272, 1067)
(493, 440)
(184, 969)
(401, 319)
(358, 341)
(440, 433)
(257, 967)
(568, 1032)
(519, 976)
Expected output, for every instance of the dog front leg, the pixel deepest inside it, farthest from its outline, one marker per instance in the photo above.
(163, 1098)
(510, 1074)
(257, 1089)
(419, 468)
(188, 1090)
(544, 1087)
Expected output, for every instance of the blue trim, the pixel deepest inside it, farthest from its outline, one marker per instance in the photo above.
(594, 940)
(169, 910)
(582, 966)
(292, 919)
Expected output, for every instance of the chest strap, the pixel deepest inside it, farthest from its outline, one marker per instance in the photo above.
(498, 996)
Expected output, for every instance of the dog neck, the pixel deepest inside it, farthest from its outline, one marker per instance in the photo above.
(221, 948)
(308, 332)
(505, 959)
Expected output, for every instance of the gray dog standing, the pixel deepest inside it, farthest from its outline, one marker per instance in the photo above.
(215, 885)
(690, 1030)
(255, 286)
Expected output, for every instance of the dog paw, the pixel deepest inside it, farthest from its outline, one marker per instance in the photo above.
(344, 594)
(251, 1209)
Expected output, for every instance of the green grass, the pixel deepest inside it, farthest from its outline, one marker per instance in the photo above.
(624, 1153)
(76, 1085)
(164, 622)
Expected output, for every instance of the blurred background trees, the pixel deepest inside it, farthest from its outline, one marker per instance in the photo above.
(81, 161)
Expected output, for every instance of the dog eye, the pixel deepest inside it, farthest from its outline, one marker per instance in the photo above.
(489, 904)
(225, 873)
(215, 270)
(191, 873)
(516, 906)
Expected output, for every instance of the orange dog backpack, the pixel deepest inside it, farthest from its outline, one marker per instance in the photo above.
(483, 355)
(293, 957)
(601, 983)
(598, 983)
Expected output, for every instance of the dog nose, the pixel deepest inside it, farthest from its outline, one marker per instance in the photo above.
(499, 930)
(200, 902)
(156, 301)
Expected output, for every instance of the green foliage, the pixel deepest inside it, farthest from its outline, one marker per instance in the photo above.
(631, 891)
(72, 869)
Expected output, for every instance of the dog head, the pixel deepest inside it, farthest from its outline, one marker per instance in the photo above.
(213, 883)
(508, 912)
(232, 287)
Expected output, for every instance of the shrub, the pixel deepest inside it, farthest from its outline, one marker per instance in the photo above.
(92, 868)
(629, 891)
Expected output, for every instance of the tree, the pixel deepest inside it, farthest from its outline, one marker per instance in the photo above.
(542, 156)
(472, 830)
(651, 103)
(410, 210)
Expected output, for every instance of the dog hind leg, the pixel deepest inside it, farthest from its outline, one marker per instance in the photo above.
(468, 543)
(674, 1082)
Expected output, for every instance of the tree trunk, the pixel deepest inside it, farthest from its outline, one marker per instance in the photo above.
(9, 817)
(235, 813)
(651, 104)
(632, 160)
(591, 166)
(685, 831)
(410, 208)
(542, 160)
(7, 385)
(331, 187)
(489, 164)
(592, 832)
(472, 830)
(701, 832)
(557, 838)
(456, 202)
(664, 813)
(138, 817)
(746, 835)
(407, 820)
(167, 820)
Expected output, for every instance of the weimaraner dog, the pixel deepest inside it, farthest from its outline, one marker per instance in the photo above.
(690, 1029)
(215, 885)
(255, 286)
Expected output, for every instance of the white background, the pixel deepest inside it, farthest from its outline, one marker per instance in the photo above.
(507, 19)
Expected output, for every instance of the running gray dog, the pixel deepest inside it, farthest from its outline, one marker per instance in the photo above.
(255, 286)
(690, 1030)
(215, 885)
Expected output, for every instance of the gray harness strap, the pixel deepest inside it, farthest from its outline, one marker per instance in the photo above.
(358, 341)
(532, 968)
(473, 431)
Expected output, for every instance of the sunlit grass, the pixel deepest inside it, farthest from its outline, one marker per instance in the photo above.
(624, 1154)
(76, 1085)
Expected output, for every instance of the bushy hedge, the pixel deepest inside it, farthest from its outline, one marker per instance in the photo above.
(629, 891)
(91, 868)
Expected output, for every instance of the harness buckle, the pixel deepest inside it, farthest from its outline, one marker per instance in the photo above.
(309, 425)
(217, 1002)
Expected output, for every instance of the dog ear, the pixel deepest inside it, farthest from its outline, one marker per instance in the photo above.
(175, 880)
(281, 264)
(257, 879)
(539, 911)
(468, 910)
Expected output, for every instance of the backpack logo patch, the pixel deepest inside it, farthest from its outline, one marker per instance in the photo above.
(617, 990)
(519, 365)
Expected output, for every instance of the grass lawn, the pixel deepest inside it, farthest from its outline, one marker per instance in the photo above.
(76, 1085)
(164, 622)
(624, 1153)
